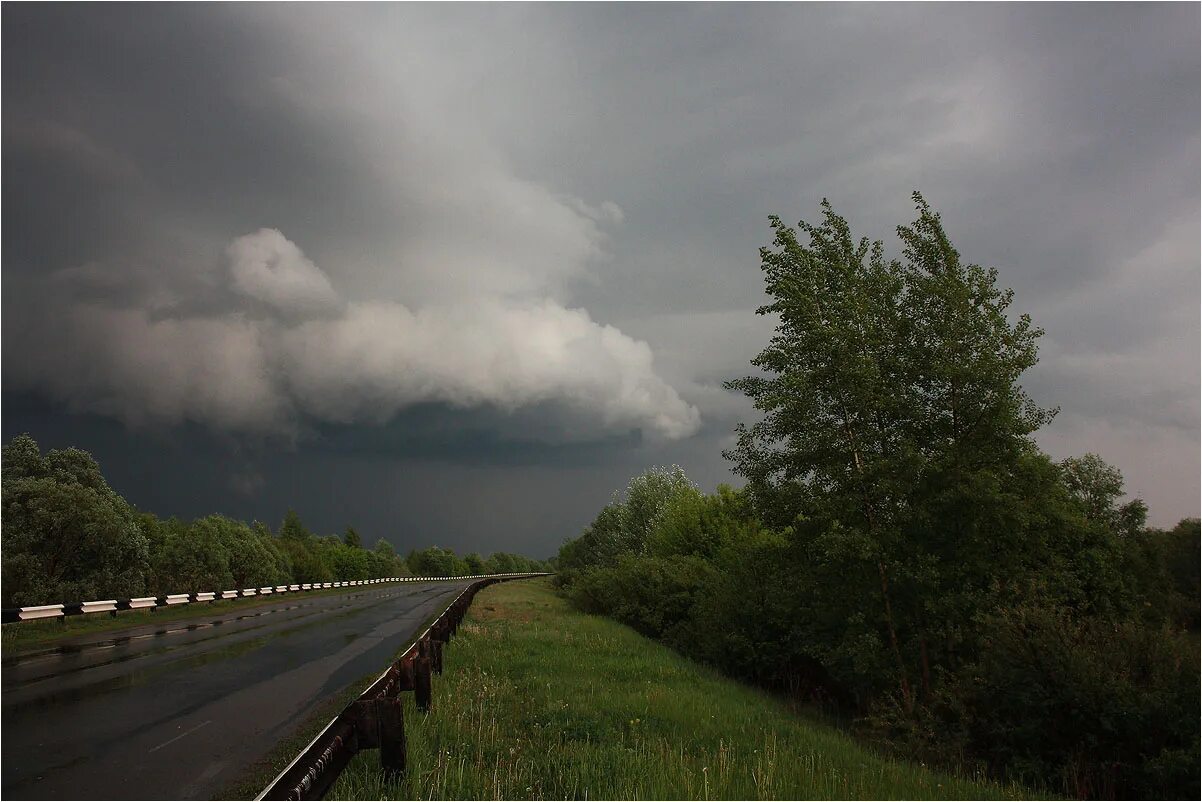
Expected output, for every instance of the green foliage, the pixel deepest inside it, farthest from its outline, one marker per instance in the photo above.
(293, 529)
(196, 558)
(1168, 565)
(435, 561)
(67, 535)
(1102, 710)
(627, 523)
(893, 438)
(352, 539)
(350, 562)
(1097, 487)
(654, 595)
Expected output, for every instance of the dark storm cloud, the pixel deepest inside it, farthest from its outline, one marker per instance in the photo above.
(505, 240)
(198, 310)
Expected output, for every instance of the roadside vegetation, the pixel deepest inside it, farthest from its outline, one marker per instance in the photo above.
(540, 701)
(69, 537)
(903, 552)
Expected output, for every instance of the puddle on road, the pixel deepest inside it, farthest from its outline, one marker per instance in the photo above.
(130, 679)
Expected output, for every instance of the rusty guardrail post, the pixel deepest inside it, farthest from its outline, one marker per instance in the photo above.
(379, 723)
(422, 689)
(390, 719)
(405, 672)
(436, 656)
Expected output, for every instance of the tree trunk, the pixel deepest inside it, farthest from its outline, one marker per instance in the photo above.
(926, 668)
(870, 517)
(903, 678)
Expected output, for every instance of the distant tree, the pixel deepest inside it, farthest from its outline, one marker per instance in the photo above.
(66, 534)
(501, 563)
(383, 560)
(352, 539)
(474, 562)
(292, 528)
(23, 459)
(350, 562)
(1182, 559)
(1098, 486)
(1169, 564)
(626, 524)
(155, 532)
(196, 559)
(436, 561)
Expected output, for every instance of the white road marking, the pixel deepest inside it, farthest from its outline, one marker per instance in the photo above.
(176, 738)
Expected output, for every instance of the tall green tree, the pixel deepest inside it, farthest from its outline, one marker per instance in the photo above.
(892, 420)
(832, 443)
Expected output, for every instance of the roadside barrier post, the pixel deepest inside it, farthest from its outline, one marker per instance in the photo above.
(405, 673)
(390, 718)
(436, 656)
(421, 683)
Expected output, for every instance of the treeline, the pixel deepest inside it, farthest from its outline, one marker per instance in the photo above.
(68, 536)
(436, 561)
(903, 551)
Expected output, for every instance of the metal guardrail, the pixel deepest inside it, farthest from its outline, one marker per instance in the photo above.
(113, 606)
(376, 719)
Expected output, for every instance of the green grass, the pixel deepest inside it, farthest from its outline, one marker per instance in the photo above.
(539, 701)
(45, 631)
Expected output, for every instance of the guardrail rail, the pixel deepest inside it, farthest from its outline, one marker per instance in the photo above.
(152, 603)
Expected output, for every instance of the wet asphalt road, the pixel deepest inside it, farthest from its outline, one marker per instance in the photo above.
(180, 710)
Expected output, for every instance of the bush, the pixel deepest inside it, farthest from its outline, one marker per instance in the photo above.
(1091, 708)
(653, 595)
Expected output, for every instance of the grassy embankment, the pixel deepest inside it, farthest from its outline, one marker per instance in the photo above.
(22, 634)
(540, 701)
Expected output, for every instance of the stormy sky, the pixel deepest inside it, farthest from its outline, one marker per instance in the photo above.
(454, 273)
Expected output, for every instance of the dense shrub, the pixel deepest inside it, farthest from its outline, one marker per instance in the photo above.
(1098, 710)
(654, 595)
